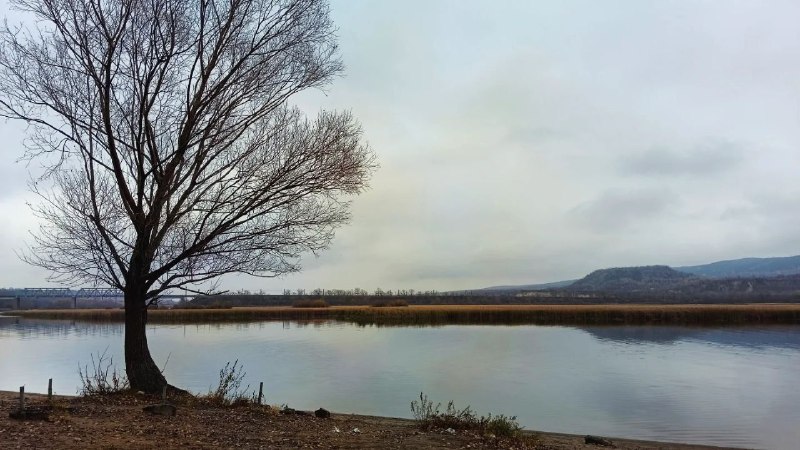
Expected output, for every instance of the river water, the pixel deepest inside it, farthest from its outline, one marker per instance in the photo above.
(721, 386)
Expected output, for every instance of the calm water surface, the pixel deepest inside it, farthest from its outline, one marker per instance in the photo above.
(736, 387)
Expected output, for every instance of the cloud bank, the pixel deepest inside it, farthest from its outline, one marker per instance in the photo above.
(532, 142)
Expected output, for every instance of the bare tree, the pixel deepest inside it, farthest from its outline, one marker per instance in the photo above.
(172, 156)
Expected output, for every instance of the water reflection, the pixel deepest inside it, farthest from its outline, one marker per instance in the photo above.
(18, 327)
(751, 337)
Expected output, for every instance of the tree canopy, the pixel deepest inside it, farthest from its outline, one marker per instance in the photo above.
(173, 154)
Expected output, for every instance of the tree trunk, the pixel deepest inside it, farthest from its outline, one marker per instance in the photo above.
(143, 374)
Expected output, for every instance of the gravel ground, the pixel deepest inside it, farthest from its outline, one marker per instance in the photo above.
(118, 422)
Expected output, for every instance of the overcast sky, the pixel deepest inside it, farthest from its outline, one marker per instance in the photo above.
(525, 142)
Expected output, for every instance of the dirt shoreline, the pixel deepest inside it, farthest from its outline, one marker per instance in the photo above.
(118, 422)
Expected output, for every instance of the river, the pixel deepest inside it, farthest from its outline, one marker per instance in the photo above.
(719, 386)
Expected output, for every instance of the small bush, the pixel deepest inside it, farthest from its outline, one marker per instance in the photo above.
(390, 303)
(425, 409)
(318, 303)
(102, 378)
(502, 426)
(430, 416)
(229, 387)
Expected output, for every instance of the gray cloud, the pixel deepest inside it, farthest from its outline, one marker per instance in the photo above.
(539, 141)
(706, 160)
(617, 211)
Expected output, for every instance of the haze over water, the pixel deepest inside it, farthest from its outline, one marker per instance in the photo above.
(732, 387)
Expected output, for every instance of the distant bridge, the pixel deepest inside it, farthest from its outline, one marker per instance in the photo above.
(74, 294)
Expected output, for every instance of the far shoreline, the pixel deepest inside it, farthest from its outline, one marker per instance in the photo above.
(594, 314)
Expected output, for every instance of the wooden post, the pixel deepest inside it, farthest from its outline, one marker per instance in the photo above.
(18, 303)
(50, 390)
(164, 394)
(21, 398)
(260, 391)
(75, 302)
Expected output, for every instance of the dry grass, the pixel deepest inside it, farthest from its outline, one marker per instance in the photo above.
(466, 314)
(316, 303)
(389, 303)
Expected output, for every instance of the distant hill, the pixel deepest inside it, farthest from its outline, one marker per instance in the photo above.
(631, 280)
(669, 285)
(693, 289)
(746, 267)
(528, 287)
(735, 268)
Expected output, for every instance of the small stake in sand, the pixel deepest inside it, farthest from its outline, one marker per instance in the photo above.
(32, 413)
(163, 408)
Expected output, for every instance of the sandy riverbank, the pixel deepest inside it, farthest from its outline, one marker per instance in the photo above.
(118, 422)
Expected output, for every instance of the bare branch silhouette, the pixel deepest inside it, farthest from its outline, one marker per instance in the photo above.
(172, 155)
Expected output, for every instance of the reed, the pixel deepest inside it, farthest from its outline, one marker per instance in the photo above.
(787, 314)
(316, 303)
(389, 303)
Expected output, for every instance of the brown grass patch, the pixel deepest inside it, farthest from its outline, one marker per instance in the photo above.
(390, 304)
(316, 303)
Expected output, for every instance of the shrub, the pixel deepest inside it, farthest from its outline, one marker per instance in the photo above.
(229, 387)
(424, 410)
(318, 303)
(102, 378)
(502, 426)
(429, 416)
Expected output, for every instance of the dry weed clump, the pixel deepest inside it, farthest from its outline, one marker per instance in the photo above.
(430, 416)
(102, 378)
(229, 390)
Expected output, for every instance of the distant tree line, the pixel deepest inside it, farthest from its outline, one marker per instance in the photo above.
(358, 292)
(783, 289)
